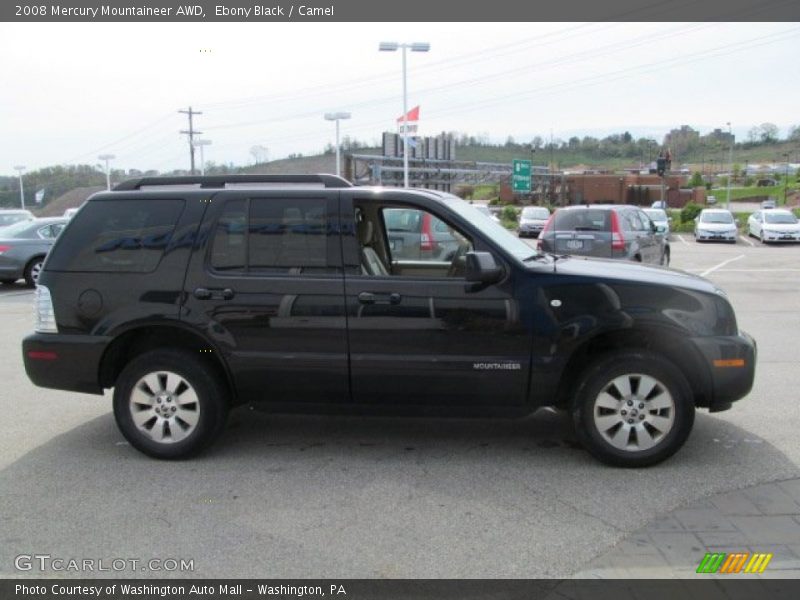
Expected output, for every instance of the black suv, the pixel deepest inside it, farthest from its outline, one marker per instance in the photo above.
(606, 231)
(190, 296)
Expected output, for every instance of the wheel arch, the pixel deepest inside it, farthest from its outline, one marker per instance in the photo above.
(665, 343)
(142, 338)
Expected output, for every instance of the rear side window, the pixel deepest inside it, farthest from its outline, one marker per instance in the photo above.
(120, 236)
(589, 219)
(272, 235)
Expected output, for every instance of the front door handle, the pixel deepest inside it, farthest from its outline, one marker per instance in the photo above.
(216, 294)
(379, 298)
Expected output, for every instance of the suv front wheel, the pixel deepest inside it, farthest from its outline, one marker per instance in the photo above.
(168, 404)
(633, 409)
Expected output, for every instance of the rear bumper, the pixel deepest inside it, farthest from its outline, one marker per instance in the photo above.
(732, 364)
(64, 362)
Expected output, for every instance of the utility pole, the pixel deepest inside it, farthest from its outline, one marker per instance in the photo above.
(191, 133)
(21, 168)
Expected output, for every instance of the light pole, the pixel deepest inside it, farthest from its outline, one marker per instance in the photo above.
(21, 168)
(415, 47)
(337, 116)
(106, 158)
(785, 177)
(730, 174)
(200, 144)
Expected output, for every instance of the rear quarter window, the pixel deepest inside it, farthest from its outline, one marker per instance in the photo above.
(590, 219)
(119, 236)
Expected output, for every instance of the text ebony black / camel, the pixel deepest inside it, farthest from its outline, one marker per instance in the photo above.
(191, 296)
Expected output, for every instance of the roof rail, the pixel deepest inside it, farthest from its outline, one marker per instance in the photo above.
(220, 181)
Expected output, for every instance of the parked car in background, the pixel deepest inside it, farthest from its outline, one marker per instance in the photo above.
(11, 216)
(24, 246)
(770, 203)
(659, 204)
(660, 217)
(532, 220)
(605, 231)
(774, 225)
(715, 224)
(418, 235)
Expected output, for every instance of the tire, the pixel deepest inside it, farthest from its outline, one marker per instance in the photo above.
(665, 258)
(662, 418)
(32, 271)
(188, 404)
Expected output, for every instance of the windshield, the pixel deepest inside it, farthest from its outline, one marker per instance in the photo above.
(535, 212)
(656, 214)
(491, 229)
(716, 217)
(780, 217)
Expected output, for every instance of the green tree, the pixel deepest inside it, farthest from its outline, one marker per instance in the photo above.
(696, 180)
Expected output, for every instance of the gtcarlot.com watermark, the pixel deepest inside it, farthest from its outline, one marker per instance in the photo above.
(58, 564)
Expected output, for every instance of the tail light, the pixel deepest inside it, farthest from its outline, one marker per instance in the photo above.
(426, 243)
(547, 227)
(617, 242)
(4, 248)
(45, 315)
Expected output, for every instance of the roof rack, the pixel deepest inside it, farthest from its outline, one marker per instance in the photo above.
(221, 181)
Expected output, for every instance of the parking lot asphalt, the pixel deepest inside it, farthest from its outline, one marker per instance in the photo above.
(346, 497)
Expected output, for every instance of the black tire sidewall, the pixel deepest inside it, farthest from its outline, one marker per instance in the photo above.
(29, 271)
(612, 365)
(211, 395)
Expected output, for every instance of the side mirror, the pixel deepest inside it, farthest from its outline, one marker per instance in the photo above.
(653, 227)
(481, 270)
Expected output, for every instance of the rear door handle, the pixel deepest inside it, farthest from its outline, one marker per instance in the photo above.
(366, 298)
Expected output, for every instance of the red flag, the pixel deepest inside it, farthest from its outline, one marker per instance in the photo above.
(412, 115)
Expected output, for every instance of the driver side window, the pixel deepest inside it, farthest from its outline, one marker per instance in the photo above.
(410, 242)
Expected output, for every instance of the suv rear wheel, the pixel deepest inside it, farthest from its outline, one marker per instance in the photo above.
(633, 409)
(168, 404)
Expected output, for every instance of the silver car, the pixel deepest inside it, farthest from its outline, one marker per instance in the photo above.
(14, 215)
(715, 225)
(24, 246)
(532, 220)
(660, 218)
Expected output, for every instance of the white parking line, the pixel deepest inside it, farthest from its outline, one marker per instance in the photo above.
(680, 237)
(720, 265)
(746, 241)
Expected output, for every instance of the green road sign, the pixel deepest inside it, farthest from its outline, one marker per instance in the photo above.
(521, 176)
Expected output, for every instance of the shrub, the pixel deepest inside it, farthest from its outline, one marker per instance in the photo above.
(689, 212)
(509, 213)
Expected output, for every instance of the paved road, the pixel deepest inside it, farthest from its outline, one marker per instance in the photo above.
(348, 497)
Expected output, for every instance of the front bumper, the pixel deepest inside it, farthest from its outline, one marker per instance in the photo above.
(716, 236)
(777, 236)
(732, 365)
(64, 362)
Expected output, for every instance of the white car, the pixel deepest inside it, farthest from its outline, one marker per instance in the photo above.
(532, 220)
(660, 218)
(715, 224)
(774, 225)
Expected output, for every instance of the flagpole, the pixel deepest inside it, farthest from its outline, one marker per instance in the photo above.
(405, 123)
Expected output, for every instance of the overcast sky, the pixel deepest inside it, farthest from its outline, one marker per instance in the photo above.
(73, 91)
